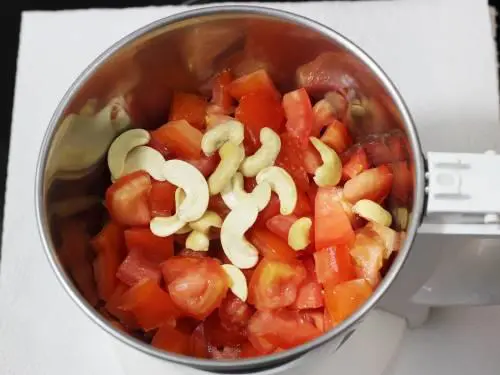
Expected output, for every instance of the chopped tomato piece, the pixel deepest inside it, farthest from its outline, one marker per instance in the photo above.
(387, 148)
(258, 81)
(303, 206)
(316, 317)
(155, 249)
(282, 329)
(355, 163)
(257, 110)
(373, 184)
(110, 249)
(368, 254)
(219, 334)
(171, 340)
(299, 116)
(220, 91)
(198, 346)
(310, 294)
(331, 223)
(280, 225)
(188, 107)
(291, 159)
(323, 114)
(272, 209)
(113, 307)
(150, 304)
(136, 267)
(197, 285)
(334, 264)
(249, 183)
(234, 313)
(160, 147)
(248, 351)
(127, 200)
(337, 136)
(402, 185)
(181, 138)
(271, 246)
(344, 299)
(205, 164)
(312, 159)
(391, 239)
(161, 198)
(275, 284)
(216, 203)
(328, 322)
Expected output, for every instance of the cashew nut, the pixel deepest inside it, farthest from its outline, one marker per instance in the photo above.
(299, 233)
(229, 131)
(179, 198)
(121, 146)
(147, 159)
(234, 193)
(372, 211)
(231, 156)
(282, 184)
(197, 241)
(165, 226)
(238, 281)
(240, 252)
(265, 156)
(330, 172)
(190, 179)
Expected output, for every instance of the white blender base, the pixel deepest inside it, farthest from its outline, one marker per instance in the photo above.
(369, 350)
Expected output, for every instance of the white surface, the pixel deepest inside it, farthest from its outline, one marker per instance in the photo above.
(438, 52)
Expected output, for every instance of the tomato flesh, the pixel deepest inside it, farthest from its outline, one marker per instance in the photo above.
(271, 246)
(337, 137)
(183, 139)
(280, 225)
(299, 116)
(127, 200)
(197, 285)
(188, 107)
(356, 163)
(368, 254)
(258, 81)
(161, 198)
(220, 91)
(171, 340)
(334, 264)
(373, 184)
(291, 159)
(345, 298)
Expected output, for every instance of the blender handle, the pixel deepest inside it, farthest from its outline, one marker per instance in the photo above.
(462, 194)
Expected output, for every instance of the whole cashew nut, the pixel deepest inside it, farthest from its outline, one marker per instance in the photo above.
(330, 172)
(231, 156)
(146, 159)
(372, 211)
(240, 252)
(299, 233)
(229, 131)
(265, 156)
(234, 193)
(190, 179)
(283, 185)
(120, 148)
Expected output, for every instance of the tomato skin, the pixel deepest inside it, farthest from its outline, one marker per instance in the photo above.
(220, 91)
(183, 139)
(257, 110)
(161, 198)
(248, 351)
(271, 246)
(386, 148)
(113, 307)
(219, 334)
(299, 114)
(155, 249)
(234, 313)
(197, 285)
(334, 265)
(355, 163)
(274, 284)
(127, 200)
(272, 209)
(258, 81)
(188, 107)
(291, 159)
(309, 295)
(368, 254)
(110, 249)
(373, 184)
(303, 206)
(216, 204)
(205, 164)
(171, 340)
(282, 329)
(345, 298)
(136, 267)
(198, 346)
(150, 304)
(331, 223)
(337, 137)
(280, 225)
(160, 147)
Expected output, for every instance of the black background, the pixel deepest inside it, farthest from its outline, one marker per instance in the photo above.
(11, 17)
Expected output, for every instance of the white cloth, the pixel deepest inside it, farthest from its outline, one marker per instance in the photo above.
(438, 52)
